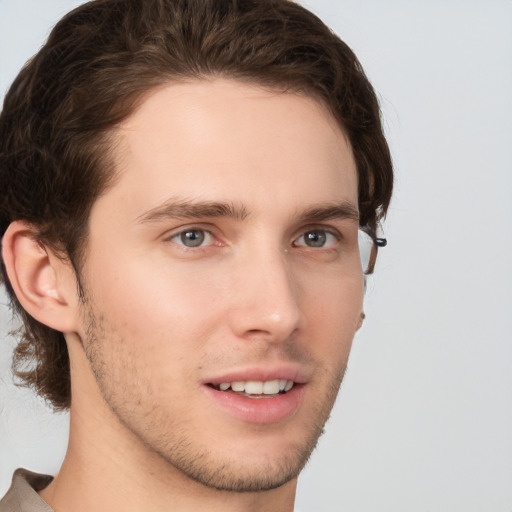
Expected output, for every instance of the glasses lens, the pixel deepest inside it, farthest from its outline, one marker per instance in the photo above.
(365, 250)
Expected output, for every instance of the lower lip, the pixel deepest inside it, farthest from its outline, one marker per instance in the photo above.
(259, 410)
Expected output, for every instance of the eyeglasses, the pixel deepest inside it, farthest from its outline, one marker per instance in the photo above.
(368, 248)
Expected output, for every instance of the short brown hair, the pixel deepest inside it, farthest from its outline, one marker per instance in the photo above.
(98, 62)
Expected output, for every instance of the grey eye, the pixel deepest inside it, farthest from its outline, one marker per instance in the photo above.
(315, 238)
(191, 237)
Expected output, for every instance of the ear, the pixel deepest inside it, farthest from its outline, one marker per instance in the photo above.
(44, 284)
(361, 320)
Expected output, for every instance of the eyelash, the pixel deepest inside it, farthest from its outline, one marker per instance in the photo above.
(207, 234)
(210, 238)
(316, 230)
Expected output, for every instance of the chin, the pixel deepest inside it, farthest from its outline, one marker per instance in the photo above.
(247, 465)
(244, 476)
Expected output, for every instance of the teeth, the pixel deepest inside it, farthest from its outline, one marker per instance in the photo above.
(271, 387)
(253, 387)
(238, 386)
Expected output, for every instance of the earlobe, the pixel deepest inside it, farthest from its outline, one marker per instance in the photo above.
(39, 279)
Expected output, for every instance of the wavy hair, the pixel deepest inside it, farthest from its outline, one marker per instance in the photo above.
(98, 62)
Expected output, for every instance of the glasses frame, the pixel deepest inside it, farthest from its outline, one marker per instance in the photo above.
(377, 242)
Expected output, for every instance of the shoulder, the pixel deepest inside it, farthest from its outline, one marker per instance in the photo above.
(22, 495)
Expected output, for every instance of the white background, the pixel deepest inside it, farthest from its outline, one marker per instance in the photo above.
(424, 421)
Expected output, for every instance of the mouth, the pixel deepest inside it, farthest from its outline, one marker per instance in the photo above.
(256, 389)
(261, 395)
(257, 401)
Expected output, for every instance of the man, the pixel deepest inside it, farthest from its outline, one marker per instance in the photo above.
(185, 189)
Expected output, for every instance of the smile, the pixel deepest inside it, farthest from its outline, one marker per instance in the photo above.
(256, 389)
(261, 402)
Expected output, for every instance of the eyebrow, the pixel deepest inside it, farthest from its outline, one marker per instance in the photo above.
(343, 210)
(183, 209)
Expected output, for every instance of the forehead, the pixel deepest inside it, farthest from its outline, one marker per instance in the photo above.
(223, 140)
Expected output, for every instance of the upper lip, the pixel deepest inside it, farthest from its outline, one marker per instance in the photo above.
(298, 374)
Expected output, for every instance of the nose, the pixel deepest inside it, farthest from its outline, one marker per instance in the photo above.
(266, 304)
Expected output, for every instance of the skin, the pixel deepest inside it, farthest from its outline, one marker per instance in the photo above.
(162, 320)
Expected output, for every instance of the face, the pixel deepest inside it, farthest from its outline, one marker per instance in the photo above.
(222, 279)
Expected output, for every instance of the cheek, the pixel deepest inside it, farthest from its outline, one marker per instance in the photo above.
(335, 293)
(153, 302)
(333, 315)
